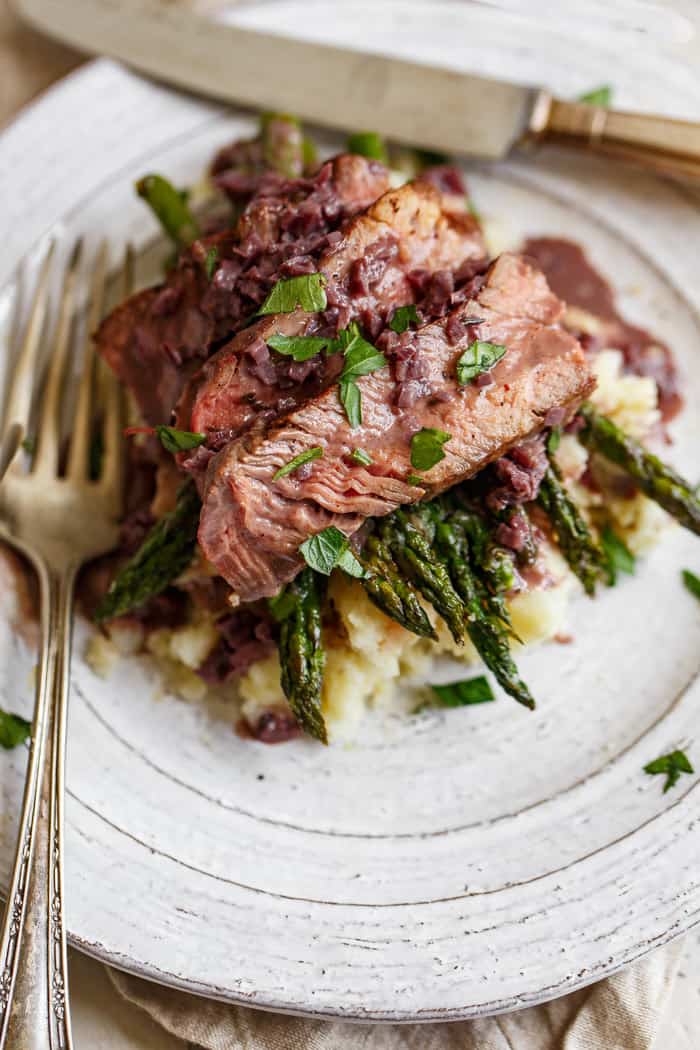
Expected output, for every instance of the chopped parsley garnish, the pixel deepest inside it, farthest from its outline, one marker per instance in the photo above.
(403, 318)
(368, 144)
(618, 557)
(468, 691)
(479, 357)
(415, 479)
(29, 444)
(298, 461)
(554, 440)
(170, 208)
(600, 96)
(426, 447)
(174, 440)
(358, 455)
(361, 358)
(210, 261)
(14, 730)
(306, 292)
(692, 582)
(330, 548)
(300, 347)
(672, 766)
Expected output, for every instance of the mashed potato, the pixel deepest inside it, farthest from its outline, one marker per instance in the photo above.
(369, 655)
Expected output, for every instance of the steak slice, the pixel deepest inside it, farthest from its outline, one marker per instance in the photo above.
(385, 259)
(251, 526)
(157, 338)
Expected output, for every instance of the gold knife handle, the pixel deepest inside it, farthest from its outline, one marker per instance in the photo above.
(671, 147)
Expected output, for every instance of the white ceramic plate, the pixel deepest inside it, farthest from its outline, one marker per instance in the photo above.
(447, 866)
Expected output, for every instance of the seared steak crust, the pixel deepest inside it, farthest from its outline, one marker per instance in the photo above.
(251, 526)
(157, 338)
(385, 259)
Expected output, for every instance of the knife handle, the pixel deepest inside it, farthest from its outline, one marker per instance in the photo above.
(667, 146)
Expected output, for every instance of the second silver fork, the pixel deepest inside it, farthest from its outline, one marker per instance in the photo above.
(58, 521)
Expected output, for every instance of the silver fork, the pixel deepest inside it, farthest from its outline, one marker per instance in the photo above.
(58, 521)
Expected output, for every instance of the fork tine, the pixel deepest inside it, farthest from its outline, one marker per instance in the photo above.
(112, 479)
(47, 453)
(79, 453)
(19, 396)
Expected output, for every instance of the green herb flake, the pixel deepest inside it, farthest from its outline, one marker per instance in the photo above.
(478, 358)
(210, 262)
(368, 144)
(298, 347)
(330, 548)
(468, 691)
(29, 444)
(14, 730)
(554, 440)
(170, 207)
(426, 447)
(672, 765)
(692, 582)
(415, 479)
(298, 461)
(306, 291)
(359, 456)
(618, 557)
(600, 96)
(174, 440)
(361, 358)
(403, 318)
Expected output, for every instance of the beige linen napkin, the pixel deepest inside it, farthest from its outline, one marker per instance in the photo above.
(620, 1013)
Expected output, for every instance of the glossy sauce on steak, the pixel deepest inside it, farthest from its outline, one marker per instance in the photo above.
(251, 526)
(156, 339)
(391, 255)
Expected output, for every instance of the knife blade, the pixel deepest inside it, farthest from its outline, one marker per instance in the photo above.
(408, 102)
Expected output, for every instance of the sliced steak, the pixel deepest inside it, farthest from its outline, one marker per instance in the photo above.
(394, 254)
(156, 339)
(251, 526)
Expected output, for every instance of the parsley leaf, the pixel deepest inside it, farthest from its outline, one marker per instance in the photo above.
(351, 400)
(403, 318)
(300, 347)
(358, 455)
(328, 548)
(477, 358)
(298, 461)
(174, 440)
(600, 96)
(619, 558)
(692, 582)
(368, 144)
(361, 358)
(170, 208)
(306, 291)
(426, 447)
(210, 261)
(469, 691)
(672, 765)
(415, 479)
(14, 729)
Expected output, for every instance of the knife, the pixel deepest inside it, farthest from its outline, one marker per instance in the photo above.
(335, 87)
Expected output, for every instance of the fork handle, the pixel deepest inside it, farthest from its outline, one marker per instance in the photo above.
(34, 1013)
